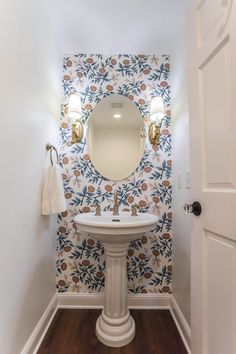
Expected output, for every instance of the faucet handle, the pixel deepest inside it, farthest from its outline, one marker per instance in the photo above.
(134, 208)
(98, 209)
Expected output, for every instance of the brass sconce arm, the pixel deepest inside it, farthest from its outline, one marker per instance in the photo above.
(154, 134)
(77, 131)
(157, 112)
(74, 114)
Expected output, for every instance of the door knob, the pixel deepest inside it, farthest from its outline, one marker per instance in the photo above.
(194, 208)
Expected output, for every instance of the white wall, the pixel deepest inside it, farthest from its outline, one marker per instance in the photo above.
(181, 164)
(30, 71)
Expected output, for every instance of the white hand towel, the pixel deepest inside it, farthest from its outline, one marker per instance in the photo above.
(53, 199)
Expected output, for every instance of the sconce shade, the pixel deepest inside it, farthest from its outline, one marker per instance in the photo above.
(157, 109)
(74, 108)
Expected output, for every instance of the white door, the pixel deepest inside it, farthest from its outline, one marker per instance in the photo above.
(212, 85)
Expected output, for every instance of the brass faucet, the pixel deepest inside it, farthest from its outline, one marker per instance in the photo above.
(98, 209)
(116, 206)
(134, 208)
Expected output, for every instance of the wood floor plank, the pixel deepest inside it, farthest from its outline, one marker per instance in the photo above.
(72, 331)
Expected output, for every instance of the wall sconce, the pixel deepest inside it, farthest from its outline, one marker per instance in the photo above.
(156, 114)
(75, 113)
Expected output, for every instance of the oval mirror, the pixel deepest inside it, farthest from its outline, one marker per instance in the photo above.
(115, 137)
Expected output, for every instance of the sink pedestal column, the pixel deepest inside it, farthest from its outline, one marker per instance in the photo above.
(115, 327)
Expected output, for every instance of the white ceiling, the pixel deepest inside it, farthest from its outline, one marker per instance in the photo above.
(113, 27)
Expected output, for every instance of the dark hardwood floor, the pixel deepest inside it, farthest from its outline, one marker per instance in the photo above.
(73, 332)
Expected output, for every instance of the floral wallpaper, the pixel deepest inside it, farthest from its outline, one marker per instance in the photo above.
(81, 260)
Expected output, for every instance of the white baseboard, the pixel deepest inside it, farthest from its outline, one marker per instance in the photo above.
(36, 337)
(93, 301)
(181, 323)
(96, 301)
(80, 300)
(148, 301)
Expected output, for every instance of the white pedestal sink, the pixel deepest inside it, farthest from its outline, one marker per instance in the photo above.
(115, 327)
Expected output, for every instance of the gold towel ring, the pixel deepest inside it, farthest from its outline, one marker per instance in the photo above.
(51, 148)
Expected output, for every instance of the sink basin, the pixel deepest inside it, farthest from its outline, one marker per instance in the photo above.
(115, 327)
(107, 226)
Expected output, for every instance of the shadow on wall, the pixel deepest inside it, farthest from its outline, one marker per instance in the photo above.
(81, 262)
